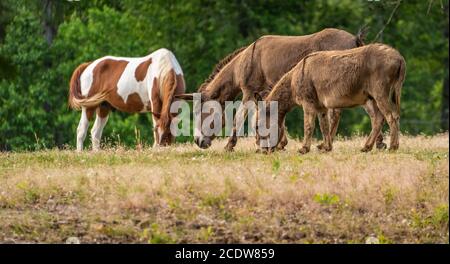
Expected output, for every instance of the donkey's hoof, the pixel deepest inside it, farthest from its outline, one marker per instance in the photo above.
(303, 150)
(320, 146)
(229, 148)
(366, 149)
(326, 149)
(381, 145)
(393, 148)
(281, 148)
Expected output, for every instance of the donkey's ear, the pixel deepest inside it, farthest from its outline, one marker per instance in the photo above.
(156, 115)
(187, 97)
(258, 97)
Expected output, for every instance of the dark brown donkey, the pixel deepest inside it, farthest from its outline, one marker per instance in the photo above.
(257, 68)
(341, 79)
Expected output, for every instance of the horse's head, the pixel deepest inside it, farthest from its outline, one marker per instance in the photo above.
(162, 132)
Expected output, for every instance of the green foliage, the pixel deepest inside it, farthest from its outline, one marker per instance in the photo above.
(35, 71)
(154, 235)
(326, 199)
(276, 164)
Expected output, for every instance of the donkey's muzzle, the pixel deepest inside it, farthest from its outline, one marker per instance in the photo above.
(202, 142)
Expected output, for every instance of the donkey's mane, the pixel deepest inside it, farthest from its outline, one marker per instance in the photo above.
(219, 66)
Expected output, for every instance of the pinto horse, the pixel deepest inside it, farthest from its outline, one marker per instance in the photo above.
(133, 85)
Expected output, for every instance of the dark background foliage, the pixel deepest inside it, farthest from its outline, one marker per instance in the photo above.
(42, 41)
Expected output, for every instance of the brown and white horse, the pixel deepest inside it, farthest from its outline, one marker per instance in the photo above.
(133, 85)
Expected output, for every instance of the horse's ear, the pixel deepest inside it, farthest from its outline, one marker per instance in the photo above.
(187, 97)
(258, 97)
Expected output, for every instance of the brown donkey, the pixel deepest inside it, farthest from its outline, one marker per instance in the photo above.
(326, 80)
(257, 68)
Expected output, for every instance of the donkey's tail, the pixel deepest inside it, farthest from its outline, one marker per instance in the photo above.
(397, 87)
(76, 99)
(361, 36)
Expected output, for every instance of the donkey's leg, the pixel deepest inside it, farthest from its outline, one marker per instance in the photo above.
(82, 128)
(334, 115)
(239, 119)
(326, 133)
(370, 109)
(376, 120)
(392, 117)
(99, 124)
(309, 123)
(283, 140)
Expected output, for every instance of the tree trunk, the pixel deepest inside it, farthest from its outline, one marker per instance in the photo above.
(445, 91)
(49, 28)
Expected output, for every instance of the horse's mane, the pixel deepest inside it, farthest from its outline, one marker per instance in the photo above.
(219, 66)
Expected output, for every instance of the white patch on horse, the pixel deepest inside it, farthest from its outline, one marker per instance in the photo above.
(128, 84)
(87, 77)
(163, 61)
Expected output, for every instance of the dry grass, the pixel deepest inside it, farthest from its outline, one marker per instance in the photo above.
(183, 194)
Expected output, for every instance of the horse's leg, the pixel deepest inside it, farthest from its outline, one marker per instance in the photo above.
(370, 108)
(376, 119)
(326, 133)
(308, 125)
(83, 126)
(155, 132)
(99, 124)
(239, 119)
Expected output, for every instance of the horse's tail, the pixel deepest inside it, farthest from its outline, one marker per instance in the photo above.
(76, 99)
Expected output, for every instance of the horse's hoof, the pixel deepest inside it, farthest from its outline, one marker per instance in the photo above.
(320, 146)
(381, 145)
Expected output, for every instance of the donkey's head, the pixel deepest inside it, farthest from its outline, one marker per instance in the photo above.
(268, 129)
(201, 139)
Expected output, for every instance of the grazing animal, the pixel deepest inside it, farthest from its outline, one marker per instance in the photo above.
(133, 85)
(255, 69)
(324, 80)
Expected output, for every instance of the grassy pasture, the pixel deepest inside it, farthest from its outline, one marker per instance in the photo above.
(183, 194)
